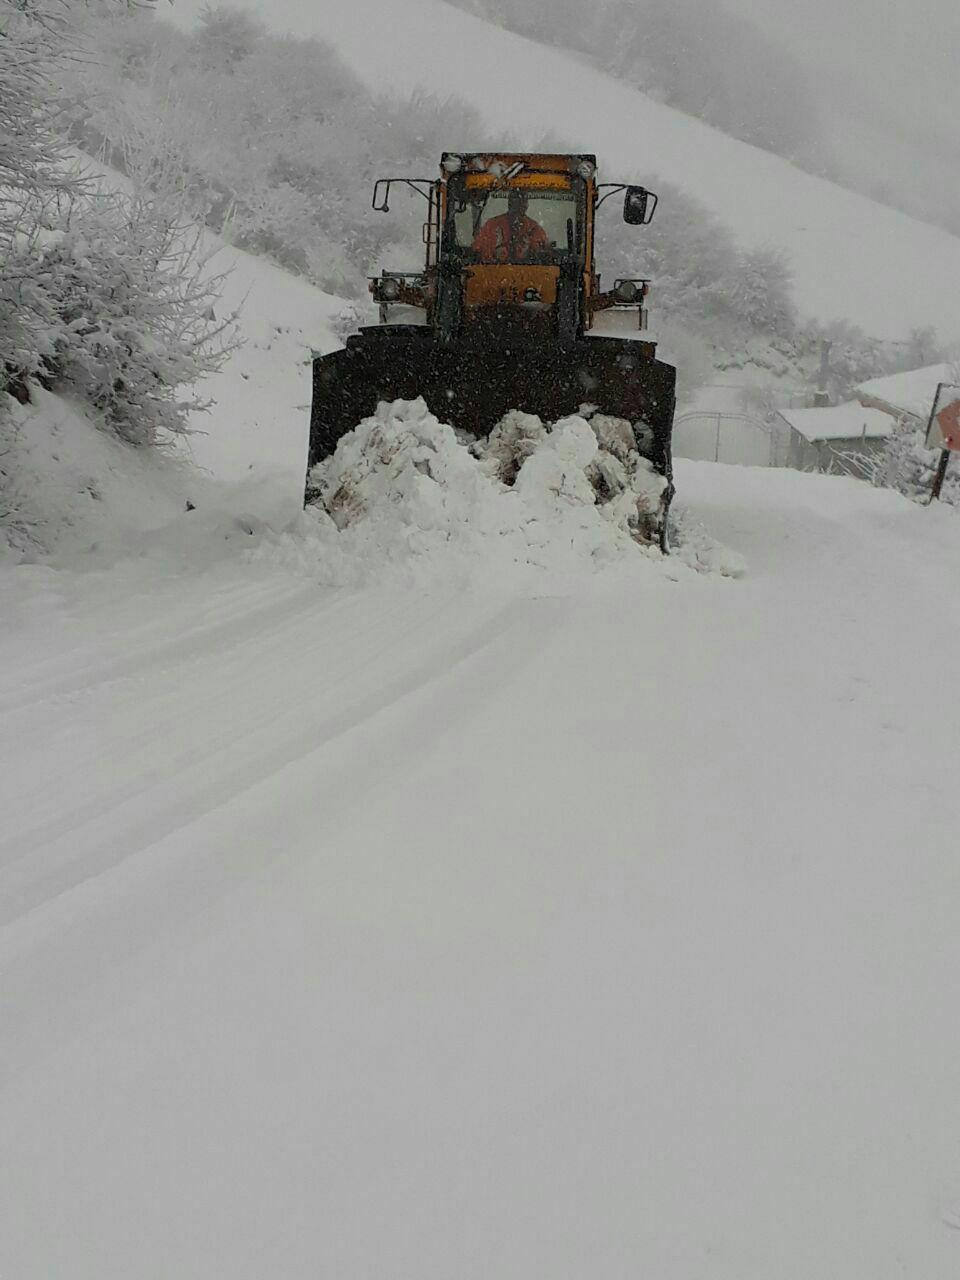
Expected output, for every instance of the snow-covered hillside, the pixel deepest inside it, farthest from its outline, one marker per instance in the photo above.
(852, 258)
(259, 419)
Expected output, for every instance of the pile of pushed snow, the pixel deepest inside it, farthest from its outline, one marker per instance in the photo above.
(406, 489)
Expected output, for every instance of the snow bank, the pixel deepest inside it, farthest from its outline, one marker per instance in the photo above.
(404, 498)
(67, 487)
(405, 491)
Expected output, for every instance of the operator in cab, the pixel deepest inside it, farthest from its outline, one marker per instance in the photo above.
(512, 236)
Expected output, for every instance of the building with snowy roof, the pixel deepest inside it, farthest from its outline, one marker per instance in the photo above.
(831, 438)
(908, 396)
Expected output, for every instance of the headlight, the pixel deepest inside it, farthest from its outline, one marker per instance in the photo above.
(390, 289)
(452, 164)
(586, 170)
(627, 291)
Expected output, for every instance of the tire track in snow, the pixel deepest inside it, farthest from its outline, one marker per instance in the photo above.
(234, 626)
(137, 734)
(142, 815)
(36, 723)
(158, 894)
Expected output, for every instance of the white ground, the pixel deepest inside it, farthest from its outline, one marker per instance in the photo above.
(487, 926)
(398, 909)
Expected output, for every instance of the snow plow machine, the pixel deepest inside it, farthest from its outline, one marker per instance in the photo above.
(508, 313)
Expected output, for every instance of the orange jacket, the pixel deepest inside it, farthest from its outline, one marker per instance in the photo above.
(494, 244)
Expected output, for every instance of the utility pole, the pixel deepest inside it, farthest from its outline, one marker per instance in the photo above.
(940, 476)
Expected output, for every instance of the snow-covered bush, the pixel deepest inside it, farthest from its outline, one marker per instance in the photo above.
(691, 258)
(102, 295)
(36, 177)
(761, 294)
(120, 307)
(33, 169)
(227, 37)
(906, 464)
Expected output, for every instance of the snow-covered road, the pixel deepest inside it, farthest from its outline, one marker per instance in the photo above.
(605, 930)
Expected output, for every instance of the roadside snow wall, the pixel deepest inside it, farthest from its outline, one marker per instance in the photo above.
(68, 488)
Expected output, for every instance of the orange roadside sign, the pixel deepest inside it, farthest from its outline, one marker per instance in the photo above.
(948, 420)
(943, 428)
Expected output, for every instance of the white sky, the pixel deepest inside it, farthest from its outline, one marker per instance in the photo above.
(887, 74)
(902, 58)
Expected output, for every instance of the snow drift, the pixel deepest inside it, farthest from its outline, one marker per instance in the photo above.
(403, 496)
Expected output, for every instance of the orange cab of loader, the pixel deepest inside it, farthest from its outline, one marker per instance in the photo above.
(518, 233)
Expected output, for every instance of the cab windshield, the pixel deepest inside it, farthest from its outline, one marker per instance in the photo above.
(513, 224)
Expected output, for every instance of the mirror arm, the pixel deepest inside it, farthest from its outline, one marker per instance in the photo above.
(415, 184)
(611, 189)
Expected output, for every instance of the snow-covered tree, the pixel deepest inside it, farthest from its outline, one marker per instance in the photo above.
(761, 291)
(104, 295)
(119, 311)
(227, 37)
(33, 168)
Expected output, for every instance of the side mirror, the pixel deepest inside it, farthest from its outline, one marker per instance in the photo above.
(638, 206)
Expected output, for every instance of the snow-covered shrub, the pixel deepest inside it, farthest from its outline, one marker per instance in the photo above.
(105, 296)
(906, 464)
(35, 174)
(691, 258)
(119, 311)
(33, 163)
(761, 292)
(227, 37)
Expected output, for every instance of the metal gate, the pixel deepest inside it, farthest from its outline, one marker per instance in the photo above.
(736, 438)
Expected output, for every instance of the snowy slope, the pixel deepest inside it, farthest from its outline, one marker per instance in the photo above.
(83, 494)
(482, 930)
(260, 418)
(851, 257)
